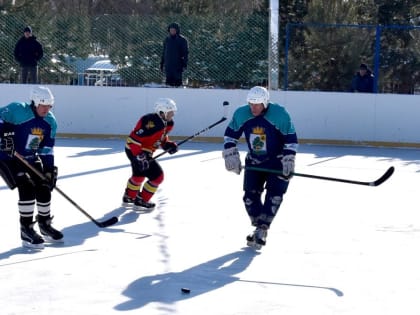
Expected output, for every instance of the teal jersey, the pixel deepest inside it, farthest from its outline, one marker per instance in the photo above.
(267, 136)
(32, 135)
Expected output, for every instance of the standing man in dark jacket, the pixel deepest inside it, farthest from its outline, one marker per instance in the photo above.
(174, 56)
(363, 80)
(28, 51)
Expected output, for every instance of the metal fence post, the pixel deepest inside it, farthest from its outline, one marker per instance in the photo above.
(376, 59)
(273, 46)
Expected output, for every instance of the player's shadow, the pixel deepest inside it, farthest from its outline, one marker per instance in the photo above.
(166, 288)
(77, 234)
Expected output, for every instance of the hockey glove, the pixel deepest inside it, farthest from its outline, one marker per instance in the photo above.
(7, 146)
(170, 147)
(288, 164)
(52, 178)
(143, 161)
(232, 160)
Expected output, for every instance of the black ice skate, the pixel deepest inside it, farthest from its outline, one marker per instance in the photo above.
(48, 232)
(127, 201)
(257, 239)
(143, 206)
(30, 238)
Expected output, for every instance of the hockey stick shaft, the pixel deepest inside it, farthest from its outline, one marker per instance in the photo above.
(105, 223)
(375, 183)
(225, 107)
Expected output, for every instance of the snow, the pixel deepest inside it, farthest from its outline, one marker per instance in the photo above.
(334, 248)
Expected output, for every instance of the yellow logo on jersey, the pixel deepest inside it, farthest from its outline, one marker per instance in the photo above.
(258, 130)
(150, 124)
(38, 132)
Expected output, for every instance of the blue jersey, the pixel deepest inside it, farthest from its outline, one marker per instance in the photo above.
(267, 136)
(32, 135)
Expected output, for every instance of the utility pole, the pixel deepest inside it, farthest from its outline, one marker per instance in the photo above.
(273, 46)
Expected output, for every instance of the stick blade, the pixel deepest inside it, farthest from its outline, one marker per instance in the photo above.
(384, 177)
(106, 223)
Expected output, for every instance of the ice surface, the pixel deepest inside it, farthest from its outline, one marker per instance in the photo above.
(333, 248)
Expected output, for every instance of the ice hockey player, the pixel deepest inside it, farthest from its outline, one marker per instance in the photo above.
(272, 144)
(29, 129)
(150, 133)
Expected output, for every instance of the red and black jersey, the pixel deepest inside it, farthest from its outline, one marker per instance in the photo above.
(150, 132)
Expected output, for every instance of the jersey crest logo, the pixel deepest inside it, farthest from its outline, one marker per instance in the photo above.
(37, 132)
(258, 130)
(258, 140)
(34, 139)
(150, 124)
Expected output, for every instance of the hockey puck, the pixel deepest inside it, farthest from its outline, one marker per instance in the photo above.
(185, 290)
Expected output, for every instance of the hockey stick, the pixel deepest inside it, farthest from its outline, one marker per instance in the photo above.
(374, 183)
(225, 114)
(102, 224)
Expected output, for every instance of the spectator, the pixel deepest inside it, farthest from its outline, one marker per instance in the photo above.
(28, 52)
(363, 80)
(174, 56)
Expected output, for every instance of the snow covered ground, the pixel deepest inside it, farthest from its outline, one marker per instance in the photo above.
(334, 248)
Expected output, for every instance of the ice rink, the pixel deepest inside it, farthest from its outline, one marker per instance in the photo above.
(334, 248)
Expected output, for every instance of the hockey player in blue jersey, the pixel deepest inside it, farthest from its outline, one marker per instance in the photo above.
(29, 129)
(272, 144)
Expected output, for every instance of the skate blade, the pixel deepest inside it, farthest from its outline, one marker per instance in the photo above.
(49, 239)
(27, 244)
(142, 209)
(127, 204)
(254, 245)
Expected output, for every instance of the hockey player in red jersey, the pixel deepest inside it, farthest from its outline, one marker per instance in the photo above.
(150, 133)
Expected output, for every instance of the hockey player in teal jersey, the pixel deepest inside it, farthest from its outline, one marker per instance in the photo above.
(272, 144)
(29, 129)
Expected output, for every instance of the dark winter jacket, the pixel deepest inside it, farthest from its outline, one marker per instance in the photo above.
(175, 51)
(28, 51)
(362, 83)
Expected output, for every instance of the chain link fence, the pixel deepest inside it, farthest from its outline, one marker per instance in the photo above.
(325, 57)
(224, 52)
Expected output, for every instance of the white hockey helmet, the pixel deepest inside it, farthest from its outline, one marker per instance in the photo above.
(165, 105)
(258, 95)
(42, 95)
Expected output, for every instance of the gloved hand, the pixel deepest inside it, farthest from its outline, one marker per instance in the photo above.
(7, 146)
(52, 177)
(232, 160)
(170, 146)
(143, 161)
(288, 163)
